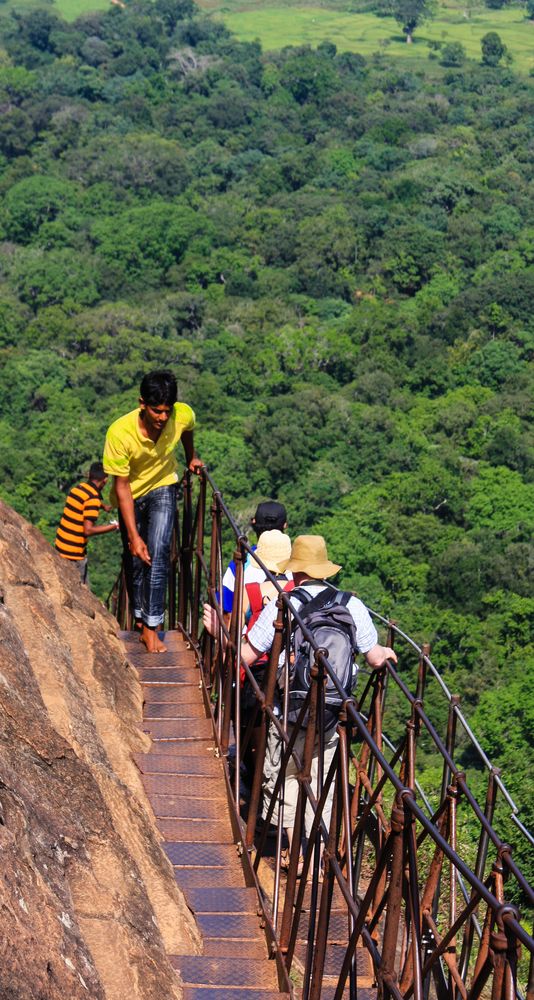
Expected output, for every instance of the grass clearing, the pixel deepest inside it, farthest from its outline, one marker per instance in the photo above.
(68, 9)
(71, 9)
(278, 26)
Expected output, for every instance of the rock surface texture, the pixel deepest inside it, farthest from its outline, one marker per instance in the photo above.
(88, 902)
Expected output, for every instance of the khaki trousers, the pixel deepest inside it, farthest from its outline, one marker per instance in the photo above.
(290, 791)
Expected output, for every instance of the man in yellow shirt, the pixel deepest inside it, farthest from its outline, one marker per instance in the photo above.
(140, 454)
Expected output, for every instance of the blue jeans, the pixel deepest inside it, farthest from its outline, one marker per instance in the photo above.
(154, 516)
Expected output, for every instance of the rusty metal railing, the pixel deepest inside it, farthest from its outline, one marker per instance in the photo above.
(421, 874)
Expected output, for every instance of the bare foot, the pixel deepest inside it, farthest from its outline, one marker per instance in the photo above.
(150, 639)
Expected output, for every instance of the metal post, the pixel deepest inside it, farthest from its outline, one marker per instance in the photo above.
(449, 743)
(326, 892)
(199, 552)
(185, 552)
(391, 929)
(304, 775)
(173, 574)
(421, 673)
(270, 685)
(232, 666)
(208, 659)
(482, 853)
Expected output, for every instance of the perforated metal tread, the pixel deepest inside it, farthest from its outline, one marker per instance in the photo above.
(224, 993)
(183, 694)
(173, 709)
(179, 729)
(210, 878)
(182, 761)
(193, 855)
(185, 807)
(200, 970)
(227, 900)
(252, 949)
(228, 925)
(183, 748)
(328, 991)
(334, 958)
(201, 830)
(168, 675)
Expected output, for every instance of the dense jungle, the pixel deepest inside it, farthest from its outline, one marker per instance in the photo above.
(335, 255)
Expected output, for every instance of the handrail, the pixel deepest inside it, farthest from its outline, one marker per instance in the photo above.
(432, 922)
(460, 716)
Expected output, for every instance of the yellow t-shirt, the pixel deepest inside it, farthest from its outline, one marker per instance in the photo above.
(148, 464)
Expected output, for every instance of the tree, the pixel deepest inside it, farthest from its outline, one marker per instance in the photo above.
(141, 244)
(452, 54)
(493, 49)
(43, 279)
(173, 11)
(34, 201)
(308, 77)
(411, 13)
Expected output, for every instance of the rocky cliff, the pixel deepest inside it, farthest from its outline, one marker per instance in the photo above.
(88, 903)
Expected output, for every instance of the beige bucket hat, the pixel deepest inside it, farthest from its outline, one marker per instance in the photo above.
(274, 550)
(309, 555)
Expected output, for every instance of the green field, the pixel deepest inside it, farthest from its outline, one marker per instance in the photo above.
(277, 26)
(297, 23)
(69, 9)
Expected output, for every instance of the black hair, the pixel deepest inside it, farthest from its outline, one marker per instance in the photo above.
(97, 472)
(159, 389)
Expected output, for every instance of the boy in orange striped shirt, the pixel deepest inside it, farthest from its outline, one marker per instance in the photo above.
(77, 523)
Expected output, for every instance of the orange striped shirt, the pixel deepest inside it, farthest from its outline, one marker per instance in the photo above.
(83, 503)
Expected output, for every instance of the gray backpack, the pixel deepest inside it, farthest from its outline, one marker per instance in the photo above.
(330, 622)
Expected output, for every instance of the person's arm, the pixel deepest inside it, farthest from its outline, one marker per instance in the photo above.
(377, 656)
(90, 528)
(126, 506)
(210, 621)
(108, 507)
(249, 654)
(194, 463)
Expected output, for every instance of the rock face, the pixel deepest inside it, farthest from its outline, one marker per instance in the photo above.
(88, 902)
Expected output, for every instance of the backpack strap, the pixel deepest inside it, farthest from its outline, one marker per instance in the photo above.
(302, 595)
(327, 597)
(255, 598)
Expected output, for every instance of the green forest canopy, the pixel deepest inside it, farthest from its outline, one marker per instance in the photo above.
(335, 254)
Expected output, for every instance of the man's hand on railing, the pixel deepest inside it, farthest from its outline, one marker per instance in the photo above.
(195, 465)
(377, 656)
(209, 619)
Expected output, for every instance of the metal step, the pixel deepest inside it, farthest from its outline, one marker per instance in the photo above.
(174, 760)
(227, 900)
(172, 674)
(179, 729)
(202, 831)
(183, 694)
(185, 807)
(185, 784)
(202, 970)
(178, 709)
(224, 993)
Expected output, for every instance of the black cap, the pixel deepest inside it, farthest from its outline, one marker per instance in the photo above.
(97, 471)
(269, 515)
